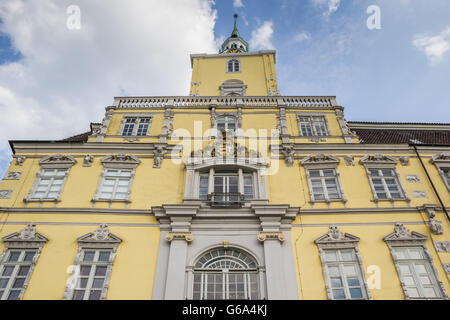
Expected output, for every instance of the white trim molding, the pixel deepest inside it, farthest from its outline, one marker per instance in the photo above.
(334, 239)
(403, 238)
(100, 239)
(442, 161)
(52, 162)
(116, 162)
(26, 239)
(379, 162)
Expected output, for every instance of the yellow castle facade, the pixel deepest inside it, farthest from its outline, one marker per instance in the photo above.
(231, 192)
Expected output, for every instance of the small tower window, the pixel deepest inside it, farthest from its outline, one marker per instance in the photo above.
(234, 65)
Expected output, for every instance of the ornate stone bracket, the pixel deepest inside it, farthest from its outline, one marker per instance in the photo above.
(159, 152)
(167, 128)
(288, 151)
(404, 161)
(435, 225)
(263, 236)
(347, 133)
(349, 160)
(99, 130)
(20, 160)
(187, 236)
(88, 160)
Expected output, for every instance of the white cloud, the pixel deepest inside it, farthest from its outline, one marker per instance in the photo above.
(302, 36)
(261, 37)
(331, 5)
(238, 4)
(434, 46)
(67, 77)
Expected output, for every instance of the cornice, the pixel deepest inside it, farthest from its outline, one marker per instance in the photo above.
(398, 126)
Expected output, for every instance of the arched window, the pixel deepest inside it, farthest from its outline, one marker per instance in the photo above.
(225, 123)
(234, 65)
(225, 274)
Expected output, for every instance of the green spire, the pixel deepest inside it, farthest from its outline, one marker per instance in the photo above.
(235, 33)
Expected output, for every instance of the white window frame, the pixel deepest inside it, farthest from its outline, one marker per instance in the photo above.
(335, 240)
(321, 163)
(224, 274)
(385, 185)
(54, 162)
(403, 238)
(442, 162)
(235, 62)
(310, 121)
(102, 240)
(138, 117)
(116, 162)
(27, 239)
(116, 178)
(382, 162)
(227, 120)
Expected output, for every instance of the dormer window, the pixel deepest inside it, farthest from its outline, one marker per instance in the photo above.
(233, 65)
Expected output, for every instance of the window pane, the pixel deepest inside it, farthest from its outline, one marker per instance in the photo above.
(3, 283)
(356, 293)
(98, 283)
(347, 255)
(404, 269)
(349, 270)
(82, 282)
(18, 283)
(333, 271)
(415, 253)
(7, 271)
(95, 295)
(14, 256)
(14, 295)
(338, 294)
(89, 256)
(409, 281)
(336, 282)
(330, 256)
(78, 295)
(420, 269)
(412, 292)
(104, 256)
(85, 270)
(29, 255)
(430, 292)
(353, 282)
(23, 271)
(314, 173)
(100, 271)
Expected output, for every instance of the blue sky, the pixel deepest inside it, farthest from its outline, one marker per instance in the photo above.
(54, 81)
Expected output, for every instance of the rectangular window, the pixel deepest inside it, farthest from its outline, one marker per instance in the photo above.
(313, 126)
(136, 126)
(324, 185)
(416, 273)
(248, 186)
(50, 184)
(344, 274)
(385, 184)
(204, 184)
(92, 274)
(115, 184)
(14, 272)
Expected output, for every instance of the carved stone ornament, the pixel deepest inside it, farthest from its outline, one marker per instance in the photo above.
(263, 236)
(378, 159)
(419, 194)
(12, 175)
(334, 235)
(20, 160)
(58, 159)
(101, 234)
(187, 236)
(88, 160)
(442, 246)
(159, 152)
(6, 194)
(446, 267)
(28, 234)
(436, 226)
(320, 159)
(404, 161)
(401, 233)
(412, 178)
(121, 159)
(349, 160)
(288, 151)
(441, 157)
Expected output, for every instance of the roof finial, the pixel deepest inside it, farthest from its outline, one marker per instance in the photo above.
(235, 33)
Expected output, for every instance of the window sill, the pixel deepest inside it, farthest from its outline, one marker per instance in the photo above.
(111, 200)
(391, 200)
(27, 200)
(328, 201)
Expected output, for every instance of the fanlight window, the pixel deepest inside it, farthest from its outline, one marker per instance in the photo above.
(233, 65)
(225, 274)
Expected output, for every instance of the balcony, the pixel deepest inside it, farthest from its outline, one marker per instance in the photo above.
(226, 200)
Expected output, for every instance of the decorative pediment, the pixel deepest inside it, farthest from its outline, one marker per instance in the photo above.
(100, 235)
(441, 158)
(401, 233)
(320, 159)
(378, 159)
(233, 87)
(121, 159)
(57, 160)
(28, 235)
(334, 235)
